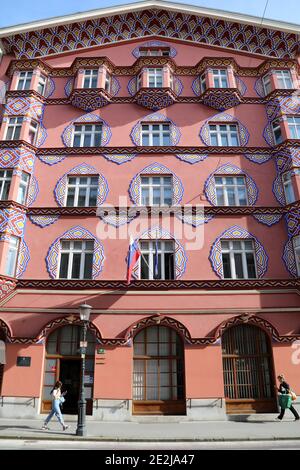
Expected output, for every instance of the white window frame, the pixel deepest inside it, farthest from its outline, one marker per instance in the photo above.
(78, 185)
(6, 178)
(275, 127)
(23, 188)
(294, 126)
(88, 77)
(161, 133)
(235, 185)
(107, 85)
(151, 186)
(83, 132)
(71, 251)
(296, 246)
(227, 132)
(267, 86)
(33, 132)
(218, 78)
(232, 251)
(26, 78)
(284, 79)
(14, 123)
(42, 83)
(155, 74)
(12, 256)
(151, 258)
(288, 187)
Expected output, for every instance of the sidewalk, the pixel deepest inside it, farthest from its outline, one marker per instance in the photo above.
(250, 427)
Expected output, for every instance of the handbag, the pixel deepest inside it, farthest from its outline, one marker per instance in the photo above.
(62, 400)
(293, 395)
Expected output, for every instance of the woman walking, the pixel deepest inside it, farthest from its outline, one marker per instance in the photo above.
(57, 399)
(285, 399)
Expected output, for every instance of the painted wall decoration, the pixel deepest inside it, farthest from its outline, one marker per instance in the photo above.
(116, 220)
(180, 255)
(230, 169)
(257, 158)
(149, 44)
(268, 219)
(67, 135)
(196, 88)
(278, 190)
(224, 118)
(132, 86)
(24, 106)
(50, 87)
(69, 86)
(18, 158)
(120, 158)
(33, 191)
(288, 159)
(83, 169)
(155, 169)
(6, 287)
(289, 259)
(191, 158)
(283, 105)
(236, 232)
(43, 220)
(155, 22)
(241, 85)
(12, 221)
(292, 219)
(23, 259)
(259, 88)
(75, 233)
(51, 159)
(42, 135)
(136, 133)
(195, 220)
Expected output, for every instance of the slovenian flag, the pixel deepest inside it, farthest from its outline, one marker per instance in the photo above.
(133, 255)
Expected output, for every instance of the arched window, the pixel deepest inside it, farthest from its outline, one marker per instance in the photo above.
(158, 372)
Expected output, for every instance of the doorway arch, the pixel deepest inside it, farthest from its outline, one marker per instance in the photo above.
(62, 362)
(158, 372)
(248, 370)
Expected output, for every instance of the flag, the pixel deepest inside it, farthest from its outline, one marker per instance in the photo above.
(133, 255)
(156, 273)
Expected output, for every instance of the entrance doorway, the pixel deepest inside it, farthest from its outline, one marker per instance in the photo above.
(248, 370)
(70, 377)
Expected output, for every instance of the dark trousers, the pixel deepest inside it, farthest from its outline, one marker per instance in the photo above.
(282, 411)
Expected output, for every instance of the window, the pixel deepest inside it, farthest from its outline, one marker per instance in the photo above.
(231, 190)
(139, 81)
(90, 78)
(277, 131)
(76, 259)
(220, 78)
(155, 52)
(156, 134)
(296, 243)
(87, 135)
(267, 84)
(294, 126)
(41, 85)
(223, 135)
(24, 81)
(156, 190)
(82, 191)
(23, 187)
(32, 134)
(288, 187)
(12, 255)
(202, 82)
(238, 258)
(284, 79)
(157, 260)
(107, 82)
(14, 128)
(155, 78)
(5, 181)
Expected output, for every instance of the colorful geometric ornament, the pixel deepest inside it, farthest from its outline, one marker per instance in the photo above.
(120, 158)
(224, 118)
(191, 158)
(51, 159)
(136, 133)
(268, 219)
(289, 259)
(67, 135)
(43, 220)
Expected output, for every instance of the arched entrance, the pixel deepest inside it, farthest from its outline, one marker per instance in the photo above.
(158, 372)
(248, 370)
(62, 362)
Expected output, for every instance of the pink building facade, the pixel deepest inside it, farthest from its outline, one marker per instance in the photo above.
(180, 129)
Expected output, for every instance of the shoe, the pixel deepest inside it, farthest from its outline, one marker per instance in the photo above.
(45, 427)
(297, 419)
(65, 427)
(278, 419)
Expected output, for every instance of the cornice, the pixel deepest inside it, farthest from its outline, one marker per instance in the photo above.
(205, 62)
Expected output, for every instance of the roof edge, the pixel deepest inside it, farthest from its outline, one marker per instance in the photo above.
(132, 7)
